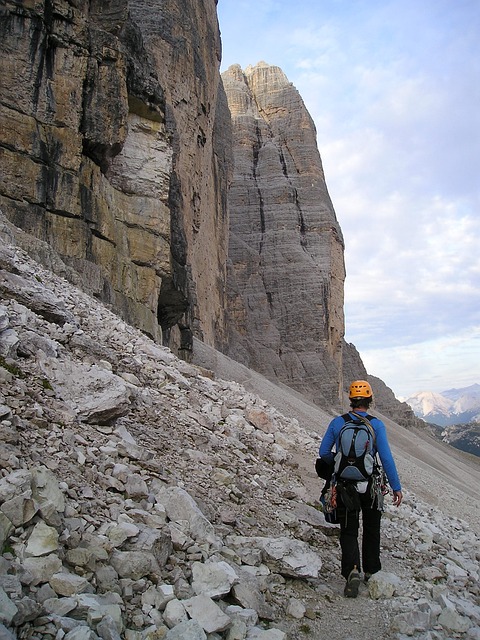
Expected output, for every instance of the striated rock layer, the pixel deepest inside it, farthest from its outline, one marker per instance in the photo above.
(286, 267)
(109, 152)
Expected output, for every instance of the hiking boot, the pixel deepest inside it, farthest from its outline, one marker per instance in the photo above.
(353, 582)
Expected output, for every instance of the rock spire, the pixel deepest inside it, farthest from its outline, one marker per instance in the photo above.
(286, 267)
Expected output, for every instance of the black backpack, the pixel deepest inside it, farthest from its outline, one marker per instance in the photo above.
(355, 456)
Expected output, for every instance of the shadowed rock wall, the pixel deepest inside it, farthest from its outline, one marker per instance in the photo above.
(286, 268)
(183, 38)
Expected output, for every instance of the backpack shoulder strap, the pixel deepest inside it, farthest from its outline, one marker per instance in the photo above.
(366, 421)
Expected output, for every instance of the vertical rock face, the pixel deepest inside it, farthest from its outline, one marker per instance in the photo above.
(184, 40)
(110, 153)
(286, 268)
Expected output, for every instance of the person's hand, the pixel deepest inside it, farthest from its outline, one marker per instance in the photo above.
(397, 498)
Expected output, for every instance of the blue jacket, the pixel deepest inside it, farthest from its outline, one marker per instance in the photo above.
(382, 446)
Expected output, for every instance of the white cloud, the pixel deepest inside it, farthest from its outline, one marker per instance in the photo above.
(433, 365)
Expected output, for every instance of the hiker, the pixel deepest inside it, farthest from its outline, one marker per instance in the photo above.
(360, 496)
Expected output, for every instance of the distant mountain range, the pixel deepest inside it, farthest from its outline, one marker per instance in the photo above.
(453, 416)
(454, 406)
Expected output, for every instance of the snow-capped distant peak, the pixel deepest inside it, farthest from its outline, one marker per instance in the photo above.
(428, 402)
(450, 407)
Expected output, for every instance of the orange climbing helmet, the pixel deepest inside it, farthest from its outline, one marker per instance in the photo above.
(360, 389)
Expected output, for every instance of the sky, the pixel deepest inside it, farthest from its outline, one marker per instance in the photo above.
(393, 87)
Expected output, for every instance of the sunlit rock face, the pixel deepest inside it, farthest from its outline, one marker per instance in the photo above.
(114, 130)
(286, 267)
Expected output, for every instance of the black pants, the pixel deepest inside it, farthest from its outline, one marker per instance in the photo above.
(349, 529)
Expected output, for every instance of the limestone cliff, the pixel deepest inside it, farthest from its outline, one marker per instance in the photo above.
(116, 157)
(111, 123)
(184, 40)
(286, 269)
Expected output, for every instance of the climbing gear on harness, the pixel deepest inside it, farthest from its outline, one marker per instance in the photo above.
(379, 487)
(328, 500)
